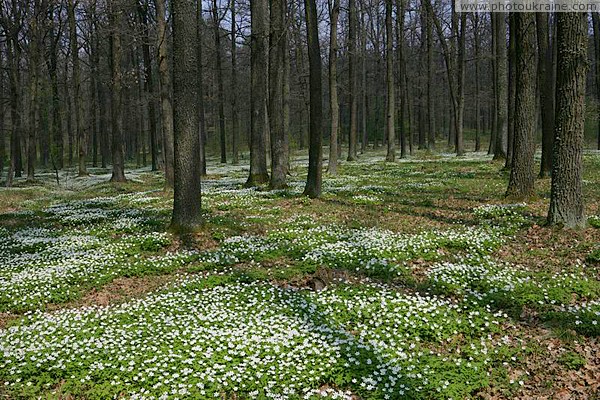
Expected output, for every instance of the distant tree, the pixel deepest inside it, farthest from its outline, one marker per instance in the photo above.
(76, 91)
(315, 150)
(118, 158)
(389, 66)
(566, 199)
(235, 121)
(217, 18)
(334, 12)
(259, 43)
(522, 177)
(352, 80)
(187, 190)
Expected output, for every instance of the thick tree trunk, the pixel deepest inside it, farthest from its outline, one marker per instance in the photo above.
(391, 100)
(334, 12)
(259, 43)
(352, 80)
(522, 177)
(187, 194)
(220, 90)
(400, 18)
(165, 98)
(546, 91)
(118, 162)
(566, 199)
(315, 150)
(278, 47)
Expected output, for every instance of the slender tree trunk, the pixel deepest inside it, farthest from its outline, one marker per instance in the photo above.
(118, 162)
(165, 97)
(522, 177)
(546, 91)
(512, 83)
(363, 85)
(149, 82)
(278, 47)
(187, 194)
(501, 87)
(259, 42)
(235, 122)
(352, 80)
(476, 46)
(220, 90)
(334, 12)
(400, 18)
(391, 100)
(566, 199)
(201, 109)
(596, 24)
(80, 131)
(430, 85)
(315, 150)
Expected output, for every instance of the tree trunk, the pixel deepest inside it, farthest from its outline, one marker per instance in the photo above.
(201, 109)
(566, 199)
(400, 18)
(149, 83)
(235, 122)
(220, 90)
(391, 100)
(430, 85)
(259, 43)
(522, 177)
(334, 12)
(187, 195)
(501, 87)
(118, 162)
(79, 130)
(278, 47)
(596, 23)
(165, 98)
(476, 46)
(546, 91)
(512, 83)
(315, 161)
(352, 81)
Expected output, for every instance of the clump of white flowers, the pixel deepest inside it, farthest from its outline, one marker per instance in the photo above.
(255, 341)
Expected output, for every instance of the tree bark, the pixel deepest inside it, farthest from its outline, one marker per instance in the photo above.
(235, 122)
(220, 90)
(334, 12)
(352, 80)
(259, 42)
(512, 83)
(187, 190)
(118, 162)
(596, 24)
(391, 100)
(546, 91)
(315, 150)
(501, 87)
(79, 130)
(278, 47)
(566, 198)
(165, 98)
(522, 177)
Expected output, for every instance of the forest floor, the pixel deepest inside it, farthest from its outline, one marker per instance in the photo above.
(412, 279)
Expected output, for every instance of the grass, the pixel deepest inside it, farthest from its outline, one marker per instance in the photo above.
(405, 280)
